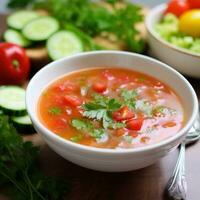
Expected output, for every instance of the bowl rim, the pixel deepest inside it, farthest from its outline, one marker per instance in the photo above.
(152, 32)
(49, 134)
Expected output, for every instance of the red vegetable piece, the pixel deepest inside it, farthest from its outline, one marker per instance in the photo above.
(72, 100)
(99, 87)
(177, 7)
(122, 114)
(194, 3)
(135, 124)
(14, 64)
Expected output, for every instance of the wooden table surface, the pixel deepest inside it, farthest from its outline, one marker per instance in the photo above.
(145, 184)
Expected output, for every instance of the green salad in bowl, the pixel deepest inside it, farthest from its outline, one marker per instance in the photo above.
(168, 29)
(180, 25)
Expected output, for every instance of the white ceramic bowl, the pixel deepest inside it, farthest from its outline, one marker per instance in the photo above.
(113, 160)
(182, 60)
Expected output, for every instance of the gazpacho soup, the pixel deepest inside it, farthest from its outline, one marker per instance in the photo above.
(111, 108)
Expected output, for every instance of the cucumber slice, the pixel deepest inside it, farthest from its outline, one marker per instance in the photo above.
(40, 29)
(12, 100)
(20, 18)
(23, 124)
(16, 37)
(63, 43)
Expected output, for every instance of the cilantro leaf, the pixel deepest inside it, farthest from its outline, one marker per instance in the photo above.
(100, 109)
(76, 138)
(129, 97)
(86, 126)
(20, 174)
(55, 110)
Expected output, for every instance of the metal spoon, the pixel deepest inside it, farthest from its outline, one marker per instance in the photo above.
(177, 185)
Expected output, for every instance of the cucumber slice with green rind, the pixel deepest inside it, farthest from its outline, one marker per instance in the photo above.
(25, 120)
(12, 100)
(23, 124)
(19, 19)
(16, 37)
(41, 28)
(63, 43)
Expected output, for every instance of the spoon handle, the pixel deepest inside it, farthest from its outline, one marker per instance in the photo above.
(177, 185)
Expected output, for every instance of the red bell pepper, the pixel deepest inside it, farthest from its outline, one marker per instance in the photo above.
(14, 64)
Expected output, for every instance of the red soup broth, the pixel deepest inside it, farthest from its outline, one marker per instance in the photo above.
(111, 108)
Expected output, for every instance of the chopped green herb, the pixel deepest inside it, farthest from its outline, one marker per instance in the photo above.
(116, 125)
(81, 124)
(100, 109)
(76, 138)
(88, 127)
(20, 174)
(97, 133)
(55, 110)
(129, 97)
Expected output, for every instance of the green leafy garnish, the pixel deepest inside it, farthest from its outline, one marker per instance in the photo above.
(88, 19)
(20, 174)
(88, 127)
(76, 138)
(55, 110)
(100, 109)
(129, 97)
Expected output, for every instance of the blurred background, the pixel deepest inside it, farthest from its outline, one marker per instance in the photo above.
(150, 3)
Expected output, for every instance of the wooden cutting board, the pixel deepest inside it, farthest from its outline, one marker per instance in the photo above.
(145, 184)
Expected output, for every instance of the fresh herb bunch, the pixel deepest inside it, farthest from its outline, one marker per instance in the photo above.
(20, 175)
(89, 19)
(100, 109)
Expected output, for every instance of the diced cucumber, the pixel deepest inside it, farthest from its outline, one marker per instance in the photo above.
(23, 124)
(16, 37)
(63, 43)
(20, 18)
(41, 28)
(12, 100)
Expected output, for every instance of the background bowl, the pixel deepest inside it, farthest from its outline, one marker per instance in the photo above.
(182, 60)
(111, 159)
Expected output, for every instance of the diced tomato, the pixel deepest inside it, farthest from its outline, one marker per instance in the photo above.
(72, 100)
(177, 7)
(99, 87)
(135, 124)
(122, 114)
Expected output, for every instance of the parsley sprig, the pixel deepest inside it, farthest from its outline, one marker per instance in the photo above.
(129, 97)
(87, 127)
(20, 174)
(100, 108)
